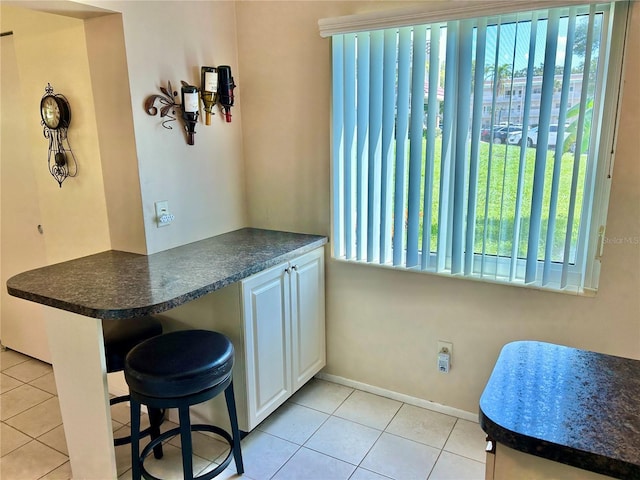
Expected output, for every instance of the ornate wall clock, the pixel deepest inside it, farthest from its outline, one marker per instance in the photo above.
(56, 118)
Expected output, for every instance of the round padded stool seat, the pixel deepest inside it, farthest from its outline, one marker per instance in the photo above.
(179, 364)
(177, 370)
(120, 336)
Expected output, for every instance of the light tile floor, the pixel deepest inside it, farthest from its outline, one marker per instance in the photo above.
(325, 432)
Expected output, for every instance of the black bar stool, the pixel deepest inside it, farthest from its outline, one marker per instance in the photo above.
(120, 336)
(177, 370)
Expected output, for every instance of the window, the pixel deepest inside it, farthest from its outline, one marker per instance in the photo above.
(438, 168)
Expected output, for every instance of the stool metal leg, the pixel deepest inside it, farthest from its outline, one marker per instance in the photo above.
(235, 431)
(155, 419)
(185, 440)
(136, 473)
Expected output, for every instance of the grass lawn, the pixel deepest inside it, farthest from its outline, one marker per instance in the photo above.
(499, 170)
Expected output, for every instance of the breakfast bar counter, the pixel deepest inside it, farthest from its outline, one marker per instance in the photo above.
(559, 412)
(115, 285)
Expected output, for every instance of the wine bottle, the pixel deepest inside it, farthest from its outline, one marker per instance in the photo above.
(226, 85)
(209, 91)
(190, 107)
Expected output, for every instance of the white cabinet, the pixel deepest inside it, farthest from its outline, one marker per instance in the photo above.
(507, 464)
(308, 352)
(267, 329)
(284, 336)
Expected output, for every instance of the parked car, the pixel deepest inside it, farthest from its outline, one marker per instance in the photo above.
(500, 133)
(485, 133)
(532, 137)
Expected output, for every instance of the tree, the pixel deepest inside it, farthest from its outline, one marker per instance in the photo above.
(580, 42)
(573, 115)
(499, 74)
(539, 70)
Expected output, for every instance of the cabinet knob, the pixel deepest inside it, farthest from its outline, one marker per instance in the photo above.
(287, 270)
(491, 445)
(294, 267)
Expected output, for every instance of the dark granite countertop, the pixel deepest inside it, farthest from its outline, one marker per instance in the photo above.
(115, 284)
(572, 406)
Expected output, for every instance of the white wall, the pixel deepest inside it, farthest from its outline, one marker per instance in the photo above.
(204, 183)
(114, 116)
(48, 49)
(107, 66)
(51, 49)
(20, 211)
(383, 325)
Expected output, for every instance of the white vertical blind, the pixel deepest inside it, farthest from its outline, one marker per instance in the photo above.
(515, 239)
(390, 59)
(448, 144)
(338, 147)
(362, 149)
(460, 147)
(474, 161)
(415, 144)
(577, 159)
(430, 143)
(375, 146)
(463, 115)
(562, 116)
(402, 129)
(542, 143)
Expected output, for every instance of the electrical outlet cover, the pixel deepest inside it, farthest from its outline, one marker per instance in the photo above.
(444, 362)
(446, 347)
(162, 212)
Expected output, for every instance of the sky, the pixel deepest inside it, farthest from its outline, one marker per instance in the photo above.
(518, 34)
(513, 38)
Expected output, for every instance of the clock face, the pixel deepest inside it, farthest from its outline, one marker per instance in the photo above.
(54, 112)
(50, 111)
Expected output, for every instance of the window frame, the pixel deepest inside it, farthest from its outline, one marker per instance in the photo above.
(605, 106)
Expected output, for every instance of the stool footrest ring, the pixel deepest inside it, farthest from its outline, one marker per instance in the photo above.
(194, 428)
(144, 433)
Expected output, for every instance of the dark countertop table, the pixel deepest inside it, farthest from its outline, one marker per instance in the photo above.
(115, 284)
(567, 405)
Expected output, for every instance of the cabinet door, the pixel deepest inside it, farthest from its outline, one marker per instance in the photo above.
(307, 317)
(512, 464)
(266, 314)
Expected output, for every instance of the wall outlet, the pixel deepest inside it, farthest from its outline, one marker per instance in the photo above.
(444, 362)
(163, 217)
(445, 354)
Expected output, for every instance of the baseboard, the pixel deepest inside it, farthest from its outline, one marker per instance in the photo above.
(418, 402)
